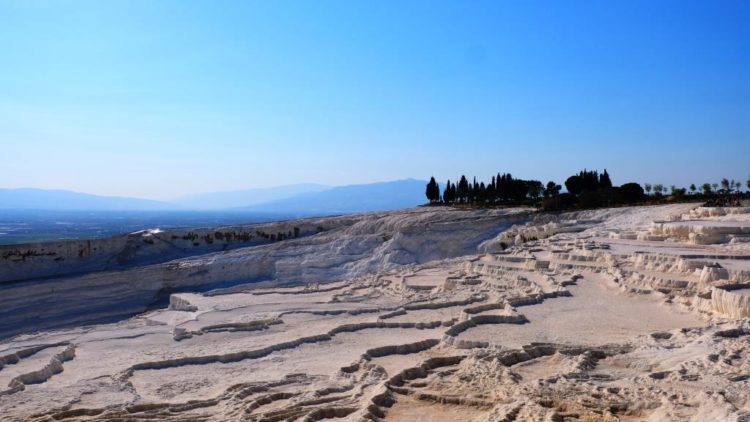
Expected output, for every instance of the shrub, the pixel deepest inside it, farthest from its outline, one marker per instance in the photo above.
(630, 193)
(590, 199)
(559, 202)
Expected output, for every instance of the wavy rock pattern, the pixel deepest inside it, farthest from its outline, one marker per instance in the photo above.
(54, 366)
(327, 249)
(465, 315)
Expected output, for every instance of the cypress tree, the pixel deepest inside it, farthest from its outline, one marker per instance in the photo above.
(475, 191)
(490, 192)
(482, 193)
(432, 191)
(497, 188)
(448, 193)
(462, 194)
(604, 181)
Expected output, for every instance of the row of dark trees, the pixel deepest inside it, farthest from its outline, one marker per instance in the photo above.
(726, 193)
(505, 189)
(588, 181)
(726, 187)
(590, 189)
(502, 188)
(586, 189)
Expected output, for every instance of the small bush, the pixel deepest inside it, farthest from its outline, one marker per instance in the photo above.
(559, 202)
(631, 193)
(590, 199)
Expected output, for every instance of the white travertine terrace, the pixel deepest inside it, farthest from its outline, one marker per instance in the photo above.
(432, 314)
(705, 226)
(730, 303)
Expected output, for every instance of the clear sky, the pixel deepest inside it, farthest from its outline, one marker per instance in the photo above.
(161, 98)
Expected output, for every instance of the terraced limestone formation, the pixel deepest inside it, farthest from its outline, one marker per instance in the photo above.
(432, 315)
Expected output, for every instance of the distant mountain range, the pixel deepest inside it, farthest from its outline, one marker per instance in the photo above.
(352, 198)
(245, 198)
(45, 199)
(301, 199)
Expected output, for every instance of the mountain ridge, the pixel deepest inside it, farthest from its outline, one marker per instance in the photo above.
(301, 199)
(379, 196)
(61, 199)
(245, 197)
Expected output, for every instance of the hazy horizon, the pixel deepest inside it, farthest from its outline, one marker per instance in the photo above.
(176, 199)
(160, 99)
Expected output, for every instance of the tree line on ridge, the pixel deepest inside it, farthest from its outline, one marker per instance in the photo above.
(586, 189)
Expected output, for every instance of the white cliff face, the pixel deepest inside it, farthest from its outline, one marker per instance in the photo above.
(325, 250)
(432, 314)
(38, 260)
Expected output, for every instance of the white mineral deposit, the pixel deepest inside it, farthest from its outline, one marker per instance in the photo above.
(634, 313)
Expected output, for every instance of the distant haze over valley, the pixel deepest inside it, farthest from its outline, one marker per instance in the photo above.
(246, 197)
(35, 215)
(299, 199)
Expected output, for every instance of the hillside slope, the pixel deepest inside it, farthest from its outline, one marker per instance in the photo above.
(382, 196)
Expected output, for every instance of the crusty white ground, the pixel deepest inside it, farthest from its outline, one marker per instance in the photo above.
(565, 325)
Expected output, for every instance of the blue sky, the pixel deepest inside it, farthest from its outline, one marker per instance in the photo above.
(161, 98)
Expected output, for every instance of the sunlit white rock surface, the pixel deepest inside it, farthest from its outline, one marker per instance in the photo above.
(432, 314)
